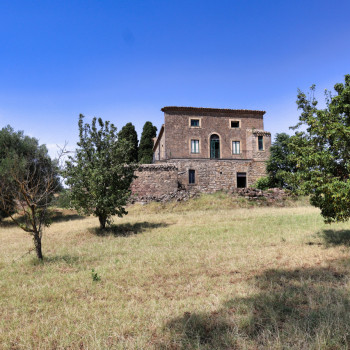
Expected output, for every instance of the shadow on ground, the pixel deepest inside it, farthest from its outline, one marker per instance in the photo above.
(62, 216)
(294, 309)
(336, 237)
(56, 259)
(54, 215)
(127, 229)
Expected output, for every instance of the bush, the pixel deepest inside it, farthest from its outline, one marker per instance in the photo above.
(263, 183)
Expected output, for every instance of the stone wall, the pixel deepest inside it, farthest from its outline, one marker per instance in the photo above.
(179, 134)
(155, 180)
(214, 175)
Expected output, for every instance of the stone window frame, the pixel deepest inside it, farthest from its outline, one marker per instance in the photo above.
(235, 120)
(195, 118)
(199, 144)
(220, 144)
(240, 147)
(257, 143)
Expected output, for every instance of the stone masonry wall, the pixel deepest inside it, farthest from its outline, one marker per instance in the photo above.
(179, 134)
(155, 180)
(214, 175)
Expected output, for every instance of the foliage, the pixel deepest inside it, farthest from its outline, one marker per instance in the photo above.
(62, 200)
(322, 152)
(146, 143)
(129, 133)
(98, 175)
(29, 179)
(280, 163)
(263, 183)
(95, 276)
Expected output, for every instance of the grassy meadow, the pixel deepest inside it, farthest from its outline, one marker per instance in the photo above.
(210, 273)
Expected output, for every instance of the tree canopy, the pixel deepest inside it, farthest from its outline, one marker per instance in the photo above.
(129, 133)
(99, 175)
(321, 150)
(146, 143)
(28, 181)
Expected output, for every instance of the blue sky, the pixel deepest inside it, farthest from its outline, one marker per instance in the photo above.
(124, 60)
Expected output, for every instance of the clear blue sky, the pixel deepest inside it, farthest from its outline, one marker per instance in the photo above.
(124, 60)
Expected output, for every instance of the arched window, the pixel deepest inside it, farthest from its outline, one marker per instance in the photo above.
(214, 146)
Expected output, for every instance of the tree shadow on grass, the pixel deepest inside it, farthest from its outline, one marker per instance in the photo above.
(336, 237)
(65, 215)
(56, 259)
(55, 216)
(127, 229)
(294, 309)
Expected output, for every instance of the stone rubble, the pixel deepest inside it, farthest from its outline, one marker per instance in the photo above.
(271, 196)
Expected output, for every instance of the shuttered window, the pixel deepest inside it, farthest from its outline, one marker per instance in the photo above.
(194, 146)
(236, 147)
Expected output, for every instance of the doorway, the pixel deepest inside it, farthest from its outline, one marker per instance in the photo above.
(241, 180)
(214, 146)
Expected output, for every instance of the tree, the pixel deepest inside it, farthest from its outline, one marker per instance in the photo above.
(322, 152)
(279, 163)
(129, 133)
(99, 175)
(28, 181)
(146, 143)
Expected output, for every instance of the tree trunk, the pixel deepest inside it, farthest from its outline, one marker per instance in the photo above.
(37, 243)
(102, 219)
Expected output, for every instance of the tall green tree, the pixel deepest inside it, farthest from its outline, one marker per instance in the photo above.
(146, 143)
(279, 165)
(28, 181)
(321, 150)
(129, 133)
(99, 175)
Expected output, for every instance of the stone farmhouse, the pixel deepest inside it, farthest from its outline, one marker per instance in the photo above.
(205, 149)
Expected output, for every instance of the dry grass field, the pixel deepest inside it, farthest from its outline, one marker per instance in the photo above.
(197, 275)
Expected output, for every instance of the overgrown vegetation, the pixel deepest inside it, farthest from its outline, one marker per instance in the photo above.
(195, 275)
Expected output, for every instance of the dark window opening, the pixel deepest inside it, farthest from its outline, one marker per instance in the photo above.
(261, 143)
(191, 177)
(241, 180)
(234, 124)
(195, 122)
(214, 146)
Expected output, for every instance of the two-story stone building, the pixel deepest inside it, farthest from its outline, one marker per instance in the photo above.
(209, 149)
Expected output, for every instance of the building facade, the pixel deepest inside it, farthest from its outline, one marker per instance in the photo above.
(207, 149)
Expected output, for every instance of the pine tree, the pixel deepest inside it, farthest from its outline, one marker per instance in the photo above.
(129, 133)
(146, 143)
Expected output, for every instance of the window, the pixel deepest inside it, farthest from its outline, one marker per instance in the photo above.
(241, 180)
(194, 146)
(234, 124)
(191, 177)
(195, 123)
(236, 147)
(260, 143)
